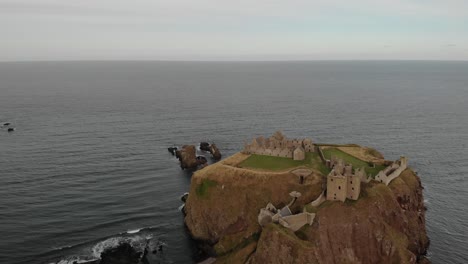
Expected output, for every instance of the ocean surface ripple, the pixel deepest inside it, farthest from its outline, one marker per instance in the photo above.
(87, 166)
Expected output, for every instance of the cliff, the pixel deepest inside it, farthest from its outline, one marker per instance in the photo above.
(385, 225)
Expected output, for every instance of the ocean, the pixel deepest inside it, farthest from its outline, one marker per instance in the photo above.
(88, 166)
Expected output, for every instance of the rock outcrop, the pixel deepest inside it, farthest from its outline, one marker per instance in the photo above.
(386, 224)
(123, 254)
(215, 152)
(187, 157)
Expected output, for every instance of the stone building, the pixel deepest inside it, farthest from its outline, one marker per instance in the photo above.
(279, 146)
(299, 153)
(345, 183)
(342, 183)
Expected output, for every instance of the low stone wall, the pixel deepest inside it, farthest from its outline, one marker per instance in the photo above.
(322, 157)
(295, 222)
(397, 170)
(319, 200)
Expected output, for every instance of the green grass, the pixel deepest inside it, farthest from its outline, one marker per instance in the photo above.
(271, 163)
(357, 163)
(202, 189)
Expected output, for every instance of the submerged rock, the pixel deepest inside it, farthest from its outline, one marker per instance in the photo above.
(205, 146)
(201, 160)
(172, 150)
(123, 254)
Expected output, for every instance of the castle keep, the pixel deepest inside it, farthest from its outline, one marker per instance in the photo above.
(342, 182)
(345, 183)
(279, 146)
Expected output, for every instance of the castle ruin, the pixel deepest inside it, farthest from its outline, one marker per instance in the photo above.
(392, 171)
(345, 183)
(342, 182)
(279, 146)
(284, 216)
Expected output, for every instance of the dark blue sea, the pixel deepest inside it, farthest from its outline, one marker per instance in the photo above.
(88, 166)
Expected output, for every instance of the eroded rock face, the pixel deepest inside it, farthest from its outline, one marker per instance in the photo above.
(223, 205)
(187, 157)
(374, 229)
(215, 152)
(386, 224)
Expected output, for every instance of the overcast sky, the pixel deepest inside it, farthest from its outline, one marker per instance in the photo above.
(233, 30)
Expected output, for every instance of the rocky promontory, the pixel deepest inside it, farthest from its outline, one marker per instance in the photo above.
(386, 224)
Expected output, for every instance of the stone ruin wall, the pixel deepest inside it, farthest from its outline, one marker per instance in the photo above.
(336, 188)
(281, 147)
(354, 187)
(342, 183)
(392, 171)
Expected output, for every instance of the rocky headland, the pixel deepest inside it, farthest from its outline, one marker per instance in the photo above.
(386, 224)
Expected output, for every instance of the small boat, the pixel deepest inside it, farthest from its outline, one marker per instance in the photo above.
(6, 124)
(11, 129)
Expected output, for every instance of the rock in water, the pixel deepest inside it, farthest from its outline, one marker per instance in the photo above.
(205, 146)
(201, 160)
(123, 254)
(215, 152)
(172, 150)
(183, 198)
(187, 157)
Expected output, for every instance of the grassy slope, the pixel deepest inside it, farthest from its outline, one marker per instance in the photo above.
(357, 163)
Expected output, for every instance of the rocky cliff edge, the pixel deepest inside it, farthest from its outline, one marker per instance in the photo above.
(386, 224)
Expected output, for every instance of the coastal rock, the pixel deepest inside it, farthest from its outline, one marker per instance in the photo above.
(187, 157)
(385, 225)
(205, 146)
(201, 160)
(123, 254)
(172, 150)
(215, 152)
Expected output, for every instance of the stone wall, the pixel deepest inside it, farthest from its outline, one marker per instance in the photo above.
(392, 171)
(354, 187)
(342, 182)
(320, 152)
(278, 146)
(336, 188)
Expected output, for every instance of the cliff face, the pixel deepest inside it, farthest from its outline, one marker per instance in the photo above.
(386, 224)
(224, 201)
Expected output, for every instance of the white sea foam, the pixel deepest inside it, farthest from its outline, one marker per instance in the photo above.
(138, 242)
(133, 231)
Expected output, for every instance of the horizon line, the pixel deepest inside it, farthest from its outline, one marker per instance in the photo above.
(226, 60)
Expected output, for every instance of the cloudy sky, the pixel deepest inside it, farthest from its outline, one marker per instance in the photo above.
(233, 30)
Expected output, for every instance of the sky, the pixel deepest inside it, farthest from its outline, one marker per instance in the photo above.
(32, 30)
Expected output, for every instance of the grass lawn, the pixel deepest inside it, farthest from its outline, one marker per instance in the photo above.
(357, 163)
(271, 163)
